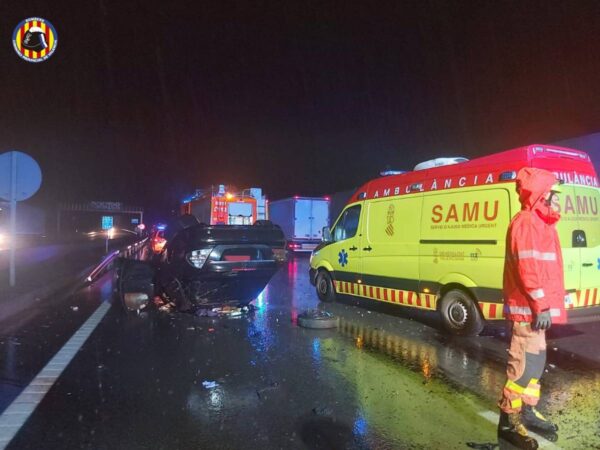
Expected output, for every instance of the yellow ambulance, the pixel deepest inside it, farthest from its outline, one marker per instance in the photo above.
(434, 238)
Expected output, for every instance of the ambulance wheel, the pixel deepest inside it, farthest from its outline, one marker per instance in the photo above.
(324, 285)
(460, 314)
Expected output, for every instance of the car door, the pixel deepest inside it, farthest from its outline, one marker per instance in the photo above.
(345, 253)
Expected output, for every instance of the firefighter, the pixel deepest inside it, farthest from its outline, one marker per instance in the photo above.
(534, 299)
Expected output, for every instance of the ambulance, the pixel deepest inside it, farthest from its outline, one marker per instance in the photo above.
(434, 238)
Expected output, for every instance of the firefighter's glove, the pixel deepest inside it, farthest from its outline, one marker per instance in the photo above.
(543, 320)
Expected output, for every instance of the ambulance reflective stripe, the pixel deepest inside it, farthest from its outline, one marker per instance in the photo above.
(491, 311)
(536, 294)
(583, 298)
(523, 310)
(388, 295)
(540, 256)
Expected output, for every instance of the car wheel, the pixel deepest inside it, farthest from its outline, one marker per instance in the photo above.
(460, 314)
(317, 319)
(324, 286)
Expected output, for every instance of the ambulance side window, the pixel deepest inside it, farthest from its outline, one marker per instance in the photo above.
(347, 226)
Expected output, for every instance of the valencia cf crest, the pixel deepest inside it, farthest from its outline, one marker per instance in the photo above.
(35, 39)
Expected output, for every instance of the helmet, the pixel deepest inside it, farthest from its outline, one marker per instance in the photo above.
(35, 40)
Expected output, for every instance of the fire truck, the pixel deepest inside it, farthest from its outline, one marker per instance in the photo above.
(225, 205)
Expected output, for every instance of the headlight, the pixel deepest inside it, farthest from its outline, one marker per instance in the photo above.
(197, 258)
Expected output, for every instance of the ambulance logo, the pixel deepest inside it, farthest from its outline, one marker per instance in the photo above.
(35, 40)
(343, 258)
(389, 230)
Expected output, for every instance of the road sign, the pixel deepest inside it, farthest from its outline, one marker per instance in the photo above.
(20, 178)
(27, 172)
(107, 222)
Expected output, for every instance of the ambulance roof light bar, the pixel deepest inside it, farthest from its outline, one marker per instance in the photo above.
(438, 162)
(507, 176)
(571, 154)
(388, 173)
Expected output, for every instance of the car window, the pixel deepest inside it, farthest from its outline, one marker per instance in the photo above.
(348, 224)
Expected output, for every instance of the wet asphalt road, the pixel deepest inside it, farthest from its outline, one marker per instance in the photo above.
(384, 379)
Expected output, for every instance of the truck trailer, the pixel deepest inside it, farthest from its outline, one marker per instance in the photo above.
(302, 220)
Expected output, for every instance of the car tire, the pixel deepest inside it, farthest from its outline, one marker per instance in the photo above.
(460, 314)
(324, 286)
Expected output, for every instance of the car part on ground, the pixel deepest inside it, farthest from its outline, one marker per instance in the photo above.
(135, 283)
(315, 318)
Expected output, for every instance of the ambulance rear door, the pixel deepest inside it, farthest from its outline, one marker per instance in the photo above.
(587, 240)
(569, 233)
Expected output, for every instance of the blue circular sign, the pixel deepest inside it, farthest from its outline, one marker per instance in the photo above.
(28, 176)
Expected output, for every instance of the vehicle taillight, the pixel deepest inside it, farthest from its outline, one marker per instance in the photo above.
(294, 246)
(158, 244)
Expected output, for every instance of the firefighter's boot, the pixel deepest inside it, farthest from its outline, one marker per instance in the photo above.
(512, 430)
(534, 420)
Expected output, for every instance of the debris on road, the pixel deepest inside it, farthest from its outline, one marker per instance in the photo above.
(223, 311)
(74, 308)
(167, 307)
(484, 446)
(262, 393)
(322, 411)
(314, 318)
(209, 384)
(206, 312)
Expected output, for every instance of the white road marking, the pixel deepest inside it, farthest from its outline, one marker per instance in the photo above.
(17, 413)
(544, 443)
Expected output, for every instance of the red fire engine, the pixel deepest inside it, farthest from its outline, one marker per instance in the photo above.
(223, 205)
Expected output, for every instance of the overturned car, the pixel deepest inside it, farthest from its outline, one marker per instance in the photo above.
(204, 265)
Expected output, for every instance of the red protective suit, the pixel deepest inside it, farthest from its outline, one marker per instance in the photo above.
(533, 269)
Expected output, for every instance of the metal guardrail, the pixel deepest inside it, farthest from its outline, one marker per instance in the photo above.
(130, 250)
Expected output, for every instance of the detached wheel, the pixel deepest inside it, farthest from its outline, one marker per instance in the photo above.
(317, 319)
(324, 286)
(460, 314)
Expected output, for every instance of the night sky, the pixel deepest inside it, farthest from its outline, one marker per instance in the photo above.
(144, 101)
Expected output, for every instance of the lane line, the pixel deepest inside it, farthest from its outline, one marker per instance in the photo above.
(17, 413)
(495, 417)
